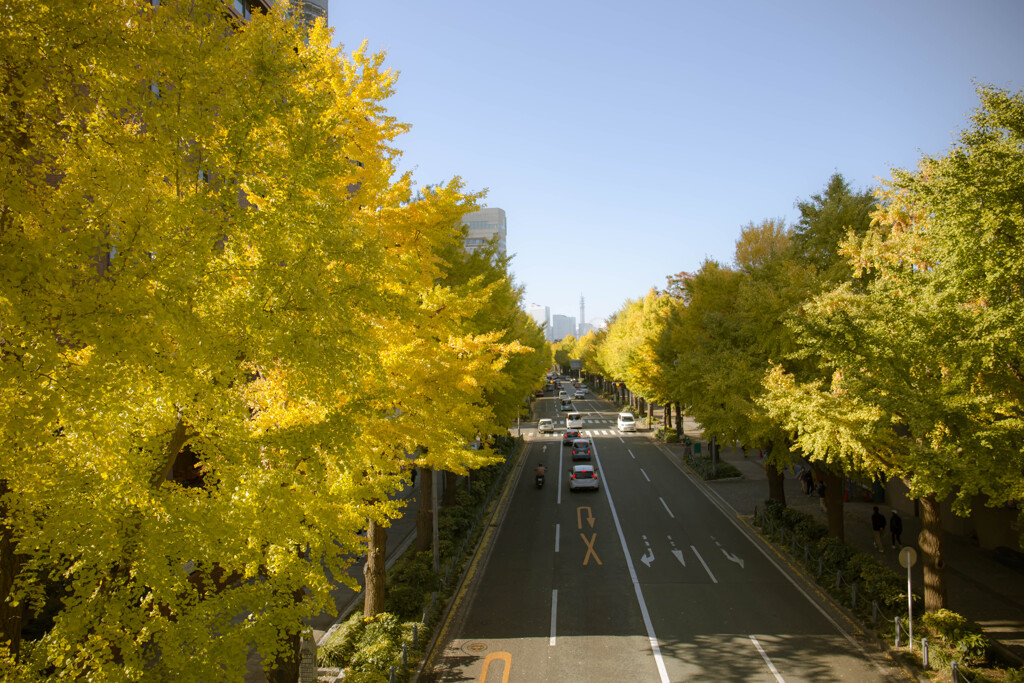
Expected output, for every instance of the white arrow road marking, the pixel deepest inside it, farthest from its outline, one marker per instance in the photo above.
(648, 555)
(544, 450)
(764, 656)
(729, 556)
(676, 551)
(706, 568)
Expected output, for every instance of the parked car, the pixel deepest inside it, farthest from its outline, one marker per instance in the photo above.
(570, 436)
(546, 425)
(626, 422)
(581, 449)
(583, 477)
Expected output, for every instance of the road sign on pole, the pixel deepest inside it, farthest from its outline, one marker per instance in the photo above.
(908, 556)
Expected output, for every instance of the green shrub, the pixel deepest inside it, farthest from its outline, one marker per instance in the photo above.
(962, 639)
(340, 647)
(667, 435)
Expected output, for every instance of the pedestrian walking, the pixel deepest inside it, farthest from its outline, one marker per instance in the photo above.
(878, 526)
(896, 528)
(807, 482)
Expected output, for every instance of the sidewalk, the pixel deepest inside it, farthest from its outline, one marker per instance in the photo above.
(978, 587)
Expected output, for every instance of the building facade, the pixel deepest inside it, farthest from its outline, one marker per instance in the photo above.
(562, 326)
(483, 226)
(542, 314)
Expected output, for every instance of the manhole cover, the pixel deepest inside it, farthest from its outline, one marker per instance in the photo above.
(474, 648)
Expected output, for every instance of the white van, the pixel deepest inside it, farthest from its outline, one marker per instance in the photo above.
(626, 422)
(565, 405)
(574, 421)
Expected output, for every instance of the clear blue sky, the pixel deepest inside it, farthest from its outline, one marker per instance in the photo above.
(630, 141)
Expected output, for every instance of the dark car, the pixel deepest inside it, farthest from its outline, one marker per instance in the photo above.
(581, 449)
(539, 392)
(570, 436)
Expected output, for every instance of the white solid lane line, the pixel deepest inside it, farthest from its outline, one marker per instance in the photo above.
(666, 506)
(764, 656)
(645, 474)
(554, 615)
(558, 530)
(706, 568)
(651, 636)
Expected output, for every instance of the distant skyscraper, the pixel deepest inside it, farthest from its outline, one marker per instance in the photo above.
(562, 326)
(483, 225)
(542, 314)
(580, 332)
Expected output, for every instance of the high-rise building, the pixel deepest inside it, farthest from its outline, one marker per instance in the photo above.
(484, 225)
(562, 326)
(582, 318)
(542, 314)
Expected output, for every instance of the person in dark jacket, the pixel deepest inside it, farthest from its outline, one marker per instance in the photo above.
(896, 528)
(878, 526)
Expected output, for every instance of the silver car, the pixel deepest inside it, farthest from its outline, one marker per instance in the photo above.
(583, 477)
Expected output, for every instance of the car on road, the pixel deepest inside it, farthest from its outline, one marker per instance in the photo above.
(583, 477)
(570, 436)
(538, 393)
(546, 425)
(581, 449)
(574, 421)
(565, 404)
(562, 394)
(626, 422)
(579, 394)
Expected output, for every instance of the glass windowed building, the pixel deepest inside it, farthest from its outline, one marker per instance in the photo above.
(483, 226)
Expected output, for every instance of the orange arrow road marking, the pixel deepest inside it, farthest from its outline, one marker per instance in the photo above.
(503, 656)
(579, 516)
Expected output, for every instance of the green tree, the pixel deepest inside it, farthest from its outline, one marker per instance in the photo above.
(924, 381)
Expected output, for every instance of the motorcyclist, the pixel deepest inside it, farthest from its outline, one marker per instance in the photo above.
(540, 470)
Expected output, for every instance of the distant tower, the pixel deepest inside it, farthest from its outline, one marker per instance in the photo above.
(582, 318)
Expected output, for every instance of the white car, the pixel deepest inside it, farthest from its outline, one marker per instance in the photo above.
(626, 422)
(579, 394)
(546, 425)
(583, 477)
(574, 421)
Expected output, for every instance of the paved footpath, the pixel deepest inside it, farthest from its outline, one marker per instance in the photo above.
(978, 587)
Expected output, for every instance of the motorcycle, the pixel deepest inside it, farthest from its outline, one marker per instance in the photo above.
(540, 481)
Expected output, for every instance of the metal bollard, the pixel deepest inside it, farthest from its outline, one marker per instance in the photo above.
(821, 566)
(897, 620)
(391, 675)
(955, 671)
(416, 633)
(792, 546)
(405, 656)
(924, 652)
(874, 612)
(807, 553)
(839, 577)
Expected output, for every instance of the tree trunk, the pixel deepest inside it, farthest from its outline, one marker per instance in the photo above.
(776, 488)
(10, 566)
(425, 511)
(933, 559)
(374, 571)
(451, 486)
(667, 415)
(679, 422)
(834, 504)
(286, 670)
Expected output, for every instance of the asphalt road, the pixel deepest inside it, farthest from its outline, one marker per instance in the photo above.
(647, 579)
